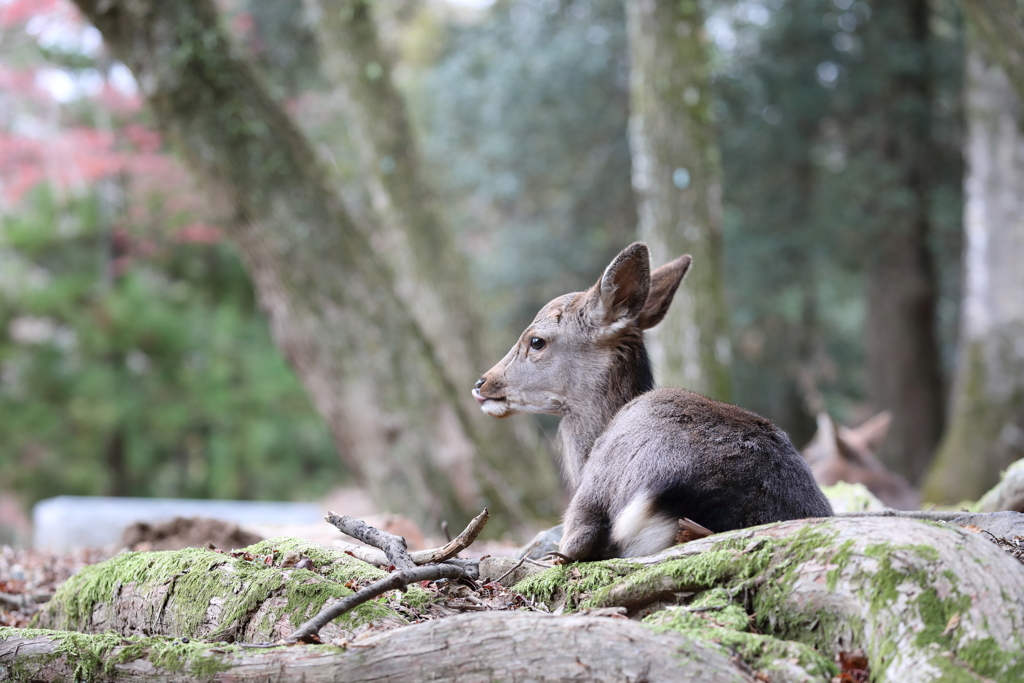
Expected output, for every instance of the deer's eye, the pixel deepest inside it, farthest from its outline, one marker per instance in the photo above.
(536, 343)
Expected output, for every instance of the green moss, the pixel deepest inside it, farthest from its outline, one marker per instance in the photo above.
(760, 652)
(986, 659)
(192, 579)
(847, 497)
(572, 582)
(95, 656)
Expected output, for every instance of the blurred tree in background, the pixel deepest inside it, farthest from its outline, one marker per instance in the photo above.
(677, 180)
(407, 182)
(986, 430)
(826, 198)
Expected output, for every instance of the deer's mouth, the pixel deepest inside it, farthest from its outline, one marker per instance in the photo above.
(496, 406)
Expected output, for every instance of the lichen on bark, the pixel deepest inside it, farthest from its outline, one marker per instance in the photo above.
(909, 593)
(205, 594)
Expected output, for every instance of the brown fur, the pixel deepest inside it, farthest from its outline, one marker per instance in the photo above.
(640, 458)
(837, 453)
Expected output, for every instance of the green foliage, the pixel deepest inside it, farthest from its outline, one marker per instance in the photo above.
(135, 365)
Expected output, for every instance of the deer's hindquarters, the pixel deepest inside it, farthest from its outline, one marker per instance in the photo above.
(671, 454)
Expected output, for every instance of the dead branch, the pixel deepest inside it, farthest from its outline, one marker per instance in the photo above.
(419, 557)
(393, 546)
(307, 633)
(395, 550)
(689, 530)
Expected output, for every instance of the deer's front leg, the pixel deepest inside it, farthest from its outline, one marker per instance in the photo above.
(586, 528)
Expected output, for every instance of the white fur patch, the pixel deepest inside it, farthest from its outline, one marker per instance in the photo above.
(641, 530)
(496, 408)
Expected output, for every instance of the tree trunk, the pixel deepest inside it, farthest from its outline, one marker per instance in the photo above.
(480, 647)
(677, 181)
(340, 309)
(986, 430)
(999, 24)
(891, 148)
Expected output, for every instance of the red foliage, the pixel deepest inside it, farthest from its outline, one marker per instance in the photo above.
(46, 141)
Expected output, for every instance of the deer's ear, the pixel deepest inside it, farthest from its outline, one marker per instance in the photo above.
(620, 294)
(664, 283)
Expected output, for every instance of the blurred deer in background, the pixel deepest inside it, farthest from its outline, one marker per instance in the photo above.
(639, 458)
(838, 453)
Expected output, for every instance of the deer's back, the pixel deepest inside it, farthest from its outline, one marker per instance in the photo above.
(718, 464)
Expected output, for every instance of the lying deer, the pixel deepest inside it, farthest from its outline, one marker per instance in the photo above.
(837, 453)
(639, 458)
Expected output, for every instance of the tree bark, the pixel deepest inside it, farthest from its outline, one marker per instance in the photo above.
(201, 594)
(911, 594)
(986, 424)
(780, 601)
(340, 310)
(677, 182)
(513, 646)
(891, 150)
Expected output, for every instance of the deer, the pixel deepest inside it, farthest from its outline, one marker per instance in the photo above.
(638, 459)
(838, 453)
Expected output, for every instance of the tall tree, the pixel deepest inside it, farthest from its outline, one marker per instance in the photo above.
(677, 181)
(986, 428)
(890, 143)
(338, 307)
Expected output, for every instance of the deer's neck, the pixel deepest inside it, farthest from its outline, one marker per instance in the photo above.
(627, 376)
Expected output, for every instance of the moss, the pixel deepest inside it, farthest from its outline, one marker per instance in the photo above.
(95, 656)
(193, 578)
(847, 497)
(986, 659)
(573, 582)
(760, 652)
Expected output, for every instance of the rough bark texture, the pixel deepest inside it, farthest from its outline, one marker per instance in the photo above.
(481, 647)
(892, 149)
(370, 351)
(986, 426)
(926, 602)
(201, 594)
(1008, 494)
(677, 181)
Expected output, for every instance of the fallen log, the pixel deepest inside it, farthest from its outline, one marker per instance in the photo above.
(244, 596)
(512, 646)
(925, 601)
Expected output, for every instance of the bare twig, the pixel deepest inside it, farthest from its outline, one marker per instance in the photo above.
(445, 552)
(393, 546)
(516, 566)
(456, 545)
(689, 530)
(24, 600)
(394, 581)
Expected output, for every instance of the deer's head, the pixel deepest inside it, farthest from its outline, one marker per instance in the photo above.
(585, 346)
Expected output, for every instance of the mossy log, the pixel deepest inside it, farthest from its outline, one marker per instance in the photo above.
(925, 601)
(513, 646)
(200, 594)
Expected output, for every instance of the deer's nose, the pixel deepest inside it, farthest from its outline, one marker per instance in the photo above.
(479, 383)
